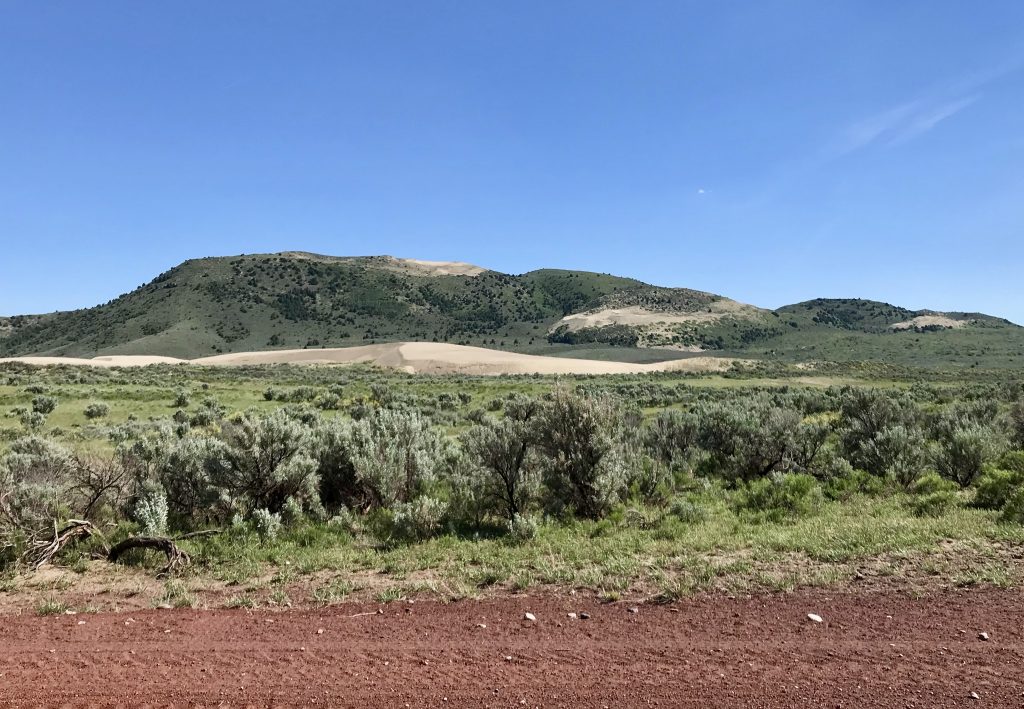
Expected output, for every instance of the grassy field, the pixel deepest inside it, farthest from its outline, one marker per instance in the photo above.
(701, 529)
(861, 544)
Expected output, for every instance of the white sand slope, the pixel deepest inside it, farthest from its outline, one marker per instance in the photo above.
(415, 357)
(639, 316)
(442, 268)
(111, 361)
(929, 321)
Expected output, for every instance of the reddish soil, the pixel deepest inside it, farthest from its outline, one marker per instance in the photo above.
(872, 650)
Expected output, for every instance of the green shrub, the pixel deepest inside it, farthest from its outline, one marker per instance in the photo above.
(672, 436)
(1013, 511)
(932, 495)
(505, 473)
(291, 512)
(327, 401)
(395, 455)
(523, 528)
(846, 485)
(995, 487)
(779, 496)
(584, 467)
(419, 519)
(931, 483)
(266, 462)
(150, 510)
(266, 524)
(687, 511)
(44, 404)
(32, 420)
(964, 447)
(1011, 460)
(97, 410)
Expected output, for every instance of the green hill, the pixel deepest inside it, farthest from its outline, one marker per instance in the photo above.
(295, 300)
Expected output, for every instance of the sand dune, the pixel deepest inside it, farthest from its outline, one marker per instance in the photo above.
(929, 321)
(413, 357)
(638, 315)
(110, 361)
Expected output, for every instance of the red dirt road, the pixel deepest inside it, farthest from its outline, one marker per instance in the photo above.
(875, 650)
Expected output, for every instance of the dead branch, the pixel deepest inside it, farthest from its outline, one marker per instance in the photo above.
(42, 551)
(202, 533)
(177, 559)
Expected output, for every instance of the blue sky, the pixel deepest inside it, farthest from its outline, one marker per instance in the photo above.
(769, 151)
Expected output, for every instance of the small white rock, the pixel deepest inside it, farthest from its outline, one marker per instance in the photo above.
(815, 618)
(570, 616)
(530, 617)
(319, 631)
(974, 695)
(482, 626)
(983, 636)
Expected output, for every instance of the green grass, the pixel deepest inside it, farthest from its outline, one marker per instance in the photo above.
(318, 564)
(726, 551)
(177, 595)
(52, 606)
(148, 393)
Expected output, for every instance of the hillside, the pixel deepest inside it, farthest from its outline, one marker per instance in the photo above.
(297, 300)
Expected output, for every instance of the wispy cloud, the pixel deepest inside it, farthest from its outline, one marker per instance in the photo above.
(930, 118)
(890, 127)
(918, 115)
(899, 124)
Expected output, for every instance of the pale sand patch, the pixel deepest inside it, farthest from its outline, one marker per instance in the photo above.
(402, 265)
(638, 315)
(110, 361)
(416, 357)
(432, 358)
(443, 268)
(929, 321)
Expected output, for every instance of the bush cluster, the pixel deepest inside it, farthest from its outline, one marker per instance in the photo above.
(395, 466)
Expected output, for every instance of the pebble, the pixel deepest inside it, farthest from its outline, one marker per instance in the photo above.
(983, 636)
(530, 617)
(570, 616)
(585, 616)
(634, 609)
(482, 626)
(974, 695)
(319, 631)
(815, 618)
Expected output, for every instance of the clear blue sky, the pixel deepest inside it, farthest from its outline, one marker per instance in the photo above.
(769, 151)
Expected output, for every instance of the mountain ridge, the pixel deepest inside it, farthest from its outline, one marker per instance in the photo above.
(213, 305)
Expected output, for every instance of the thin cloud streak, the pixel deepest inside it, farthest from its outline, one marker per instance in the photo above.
(899, 124)
(929, 119)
